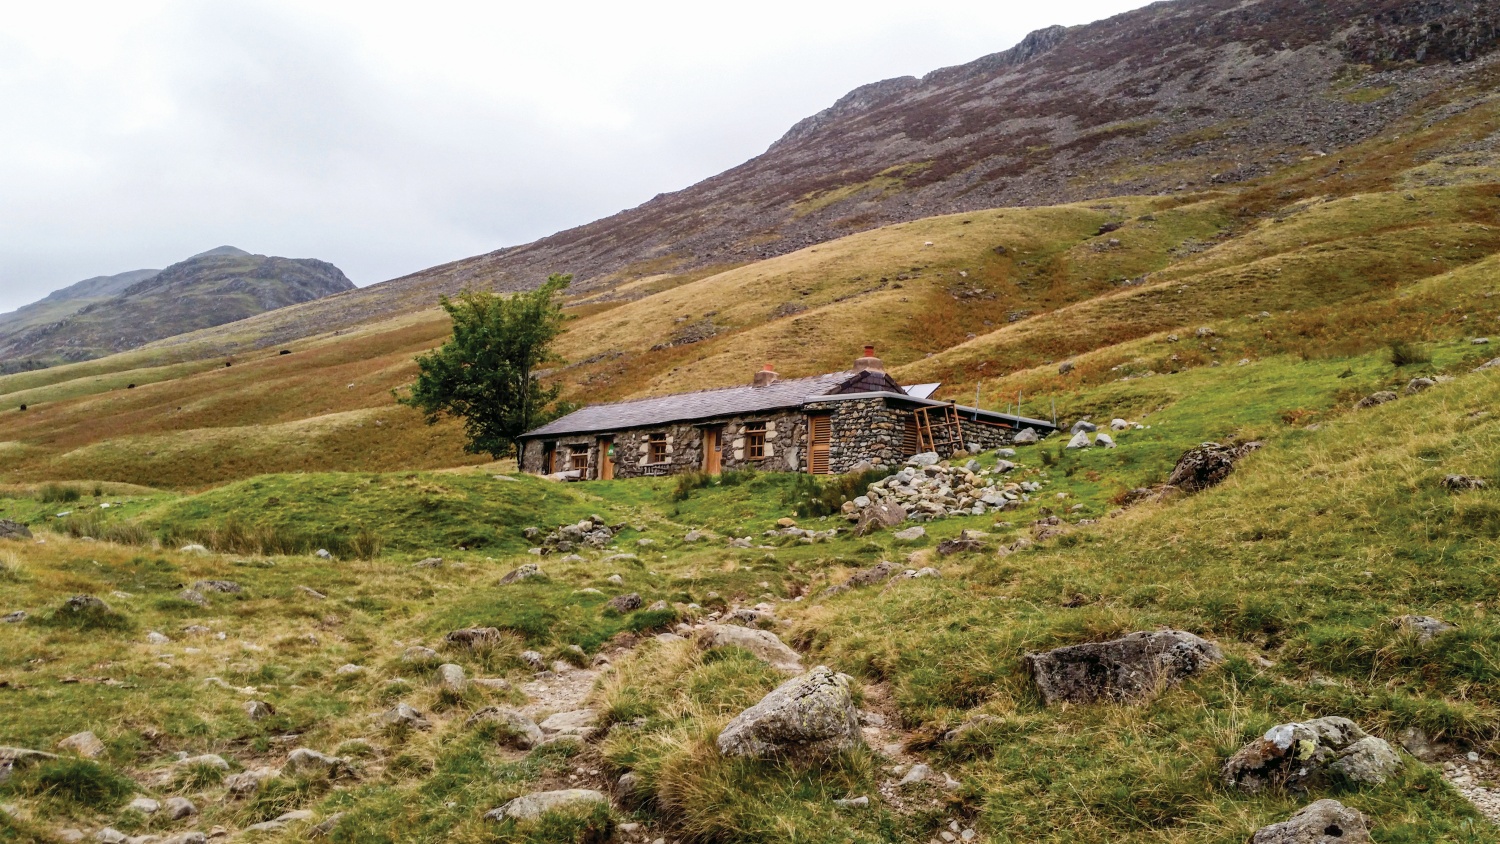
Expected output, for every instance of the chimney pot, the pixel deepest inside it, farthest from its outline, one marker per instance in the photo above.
(869, 363)
(765, 377)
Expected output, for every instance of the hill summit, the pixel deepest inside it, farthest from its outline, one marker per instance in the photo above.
(108, 314)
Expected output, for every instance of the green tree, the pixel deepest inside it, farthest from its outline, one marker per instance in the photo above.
(486, 373)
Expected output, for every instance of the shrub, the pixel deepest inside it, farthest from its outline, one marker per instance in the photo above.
(78, 781)
(58, 494)
(93, 524)
(811, 496)
(1403, 353)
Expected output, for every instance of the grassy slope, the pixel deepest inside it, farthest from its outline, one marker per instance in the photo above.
(1301, 558)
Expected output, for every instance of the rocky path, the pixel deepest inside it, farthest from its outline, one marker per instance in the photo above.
(1478, 780)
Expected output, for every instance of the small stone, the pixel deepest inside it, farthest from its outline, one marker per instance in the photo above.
(429, 563)
(312, 593)
(534, 660)
(403, 715)
(1425, 626)
(258, 710)
(144, 805)
(533, 806)
(519, 731)
(322, 554)
(349, 669)
(227, 587)
(581, 723)
(918, 773)
(525, 572)
(911, 534)
(155, 638)
(14, 618)
(192, 549)
(860, 802)
(625, 603)
(305, 762)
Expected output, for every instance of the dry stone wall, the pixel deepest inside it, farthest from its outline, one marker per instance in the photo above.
(865, 429)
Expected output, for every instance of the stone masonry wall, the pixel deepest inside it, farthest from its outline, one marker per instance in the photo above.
(984, 435)
(786, 447)
(865, 429)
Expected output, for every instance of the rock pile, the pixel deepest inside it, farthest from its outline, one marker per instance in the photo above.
(1293, 755)
(925, 489)
(589, 533)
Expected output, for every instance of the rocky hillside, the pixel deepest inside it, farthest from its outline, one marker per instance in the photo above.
(1176, 96)
(109, 314)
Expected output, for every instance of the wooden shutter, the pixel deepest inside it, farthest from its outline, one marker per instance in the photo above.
(910, 441)
(820, 430)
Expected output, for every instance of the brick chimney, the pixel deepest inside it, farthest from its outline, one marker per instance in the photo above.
(766, 377)
(869, 363)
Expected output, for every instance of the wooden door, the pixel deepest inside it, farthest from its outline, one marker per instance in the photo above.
(606, 458)
(820, 437)
(712, 459)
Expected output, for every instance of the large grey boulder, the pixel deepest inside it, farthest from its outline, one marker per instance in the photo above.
(517, 730)
(532, 806)
(1027, 436)
(1323, 822)
(1080, 440)
(1084, 426)
(881, 515)
(579, 723)
(1292, 755)
(13, 530)
(764, 644)
(926, 458)
(806, 718)
(1207, 465)
(1134, 667)
(1424, 626)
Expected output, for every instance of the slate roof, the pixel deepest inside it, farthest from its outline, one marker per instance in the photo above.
(686, 407)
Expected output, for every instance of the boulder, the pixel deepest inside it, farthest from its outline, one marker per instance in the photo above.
(403, 715)
(1494, 364)
(880, 516)
(248, 782)
(911, 534)
(1027, 436)
(806, 718)
(193, 549)
(323, 554)
(473, 638)
(925, 459)
(1135, 667)
(452, 678)
(1080, 440)
(763, 644)
(1293, 755)
(625, 603)
(14, 617)
(1463, 483)
(1207, 465)
(204, 760)
(1323, 822)
(13, 530)
(1083, 426)
(1425, 626)
(878, 573)
(533, 806)
(1065, 367)
(581, 723)
(534, 660)
(144, 805)
(177, 808)
(965, 543)
(258, 710)
(227, 587)
(419, 654)
(1104, 441)
(429, 563)
(307, 762)
(85, 744)
(84, 604)
(1376, 399)
(525, 572)
(517, 729)
(1417, 385)
(1119, 425)
(155, 638)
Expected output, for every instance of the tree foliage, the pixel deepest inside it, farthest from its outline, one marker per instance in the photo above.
(486, 373)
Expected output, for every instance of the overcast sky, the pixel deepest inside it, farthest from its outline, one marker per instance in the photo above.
(389, 137)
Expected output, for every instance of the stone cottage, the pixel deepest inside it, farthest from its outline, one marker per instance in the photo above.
(826, 424)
